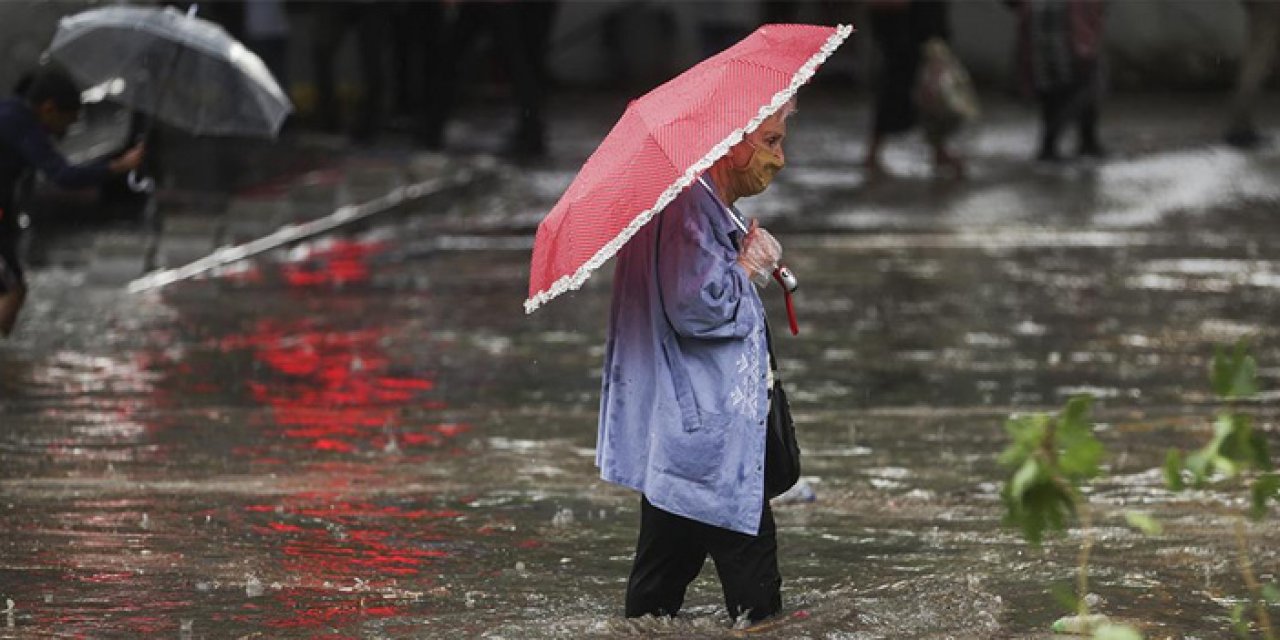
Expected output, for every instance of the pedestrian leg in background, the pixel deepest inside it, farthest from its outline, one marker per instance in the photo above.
(13, 287)
(458, 33)
(328, 32)
(11, 302)
(1255, 66)
(1090, 143)
(669, 555)
(1052, 112)
(372, 23)
(415, 39)
(899, 59)
(537, 19)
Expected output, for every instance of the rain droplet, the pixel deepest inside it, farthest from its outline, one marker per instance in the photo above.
(563, 518)
(252, 586)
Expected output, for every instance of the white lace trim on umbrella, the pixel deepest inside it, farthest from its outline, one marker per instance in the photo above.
(574, 281)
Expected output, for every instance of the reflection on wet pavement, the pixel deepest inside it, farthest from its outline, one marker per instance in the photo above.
(366, 437)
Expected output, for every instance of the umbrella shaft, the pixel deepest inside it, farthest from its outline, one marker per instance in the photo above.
(736, 220)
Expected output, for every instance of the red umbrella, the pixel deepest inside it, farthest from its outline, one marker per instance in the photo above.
(663, 142)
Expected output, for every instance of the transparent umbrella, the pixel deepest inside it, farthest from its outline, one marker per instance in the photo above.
(175, 67)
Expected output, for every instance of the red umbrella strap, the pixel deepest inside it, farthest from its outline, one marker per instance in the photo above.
(791, 309)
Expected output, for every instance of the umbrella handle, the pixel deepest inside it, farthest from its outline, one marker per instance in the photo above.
(789, 284)
(139, 183)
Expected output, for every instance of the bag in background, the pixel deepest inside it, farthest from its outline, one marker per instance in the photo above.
(944, 94)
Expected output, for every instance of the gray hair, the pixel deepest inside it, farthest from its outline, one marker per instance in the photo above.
(787, 110)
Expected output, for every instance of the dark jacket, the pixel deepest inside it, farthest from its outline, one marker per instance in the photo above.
(25, 146)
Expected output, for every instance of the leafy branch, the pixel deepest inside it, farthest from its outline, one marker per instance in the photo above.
(1235, 449)
(1051, 456)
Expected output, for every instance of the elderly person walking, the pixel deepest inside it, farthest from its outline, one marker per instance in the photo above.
(685, 388)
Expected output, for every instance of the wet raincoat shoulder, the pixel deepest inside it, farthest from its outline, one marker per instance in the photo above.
(684, 394)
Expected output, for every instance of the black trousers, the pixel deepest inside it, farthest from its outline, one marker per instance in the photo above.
(11, 274)
(672, 549)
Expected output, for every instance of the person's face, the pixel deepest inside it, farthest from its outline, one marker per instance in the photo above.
(56, 120)
(760, 156)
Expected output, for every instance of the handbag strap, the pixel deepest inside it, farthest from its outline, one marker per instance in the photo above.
(768, 343)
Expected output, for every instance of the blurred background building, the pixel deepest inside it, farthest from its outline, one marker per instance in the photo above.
(1162, 44)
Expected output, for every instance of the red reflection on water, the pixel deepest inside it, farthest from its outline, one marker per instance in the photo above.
(334, 397)
(328, 539)
(337, 392)
(331, 262)
(313, 610)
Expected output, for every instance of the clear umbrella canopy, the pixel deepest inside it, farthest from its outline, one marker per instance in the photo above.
(178, 68)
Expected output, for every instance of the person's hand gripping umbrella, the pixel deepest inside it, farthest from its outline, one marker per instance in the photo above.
(761, 256)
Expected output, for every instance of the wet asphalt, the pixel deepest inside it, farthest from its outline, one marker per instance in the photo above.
(364, 436)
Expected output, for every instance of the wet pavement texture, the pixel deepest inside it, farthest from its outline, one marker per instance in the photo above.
(364, 436)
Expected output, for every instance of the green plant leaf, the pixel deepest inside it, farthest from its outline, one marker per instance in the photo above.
(1044, 506)
(1049, 456)
(1076, 413)
(1173, 470)
(1220, 372)
(1234, 374)
(1081, 457)
(1143, 522)
(1065, 595)
(1200, 464)
(1238, 442)
(1261, 451)
(1266, 487)
(1079, 452)
(1244, 377)
(1108, 631)
(1235, 446)
(1025, 477)
(1271, 593)
(1027, 432)
(1238, 623)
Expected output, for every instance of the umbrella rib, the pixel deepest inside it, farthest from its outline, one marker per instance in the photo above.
(575, 280)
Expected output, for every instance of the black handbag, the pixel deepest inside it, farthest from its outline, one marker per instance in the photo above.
(781, 450)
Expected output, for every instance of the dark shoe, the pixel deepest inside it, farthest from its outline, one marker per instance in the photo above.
(1244, 138)
(431, 141)
(1093, 150)
(949, 166)
(1048, 155)
(526, 146)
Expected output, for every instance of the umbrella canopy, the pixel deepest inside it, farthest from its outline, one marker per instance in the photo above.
(175, 67)
(663, 142)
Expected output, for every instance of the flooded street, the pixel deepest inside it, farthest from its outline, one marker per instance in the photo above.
(366, 437)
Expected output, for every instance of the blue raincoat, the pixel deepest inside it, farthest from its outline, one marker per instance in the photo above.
(685, 396)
